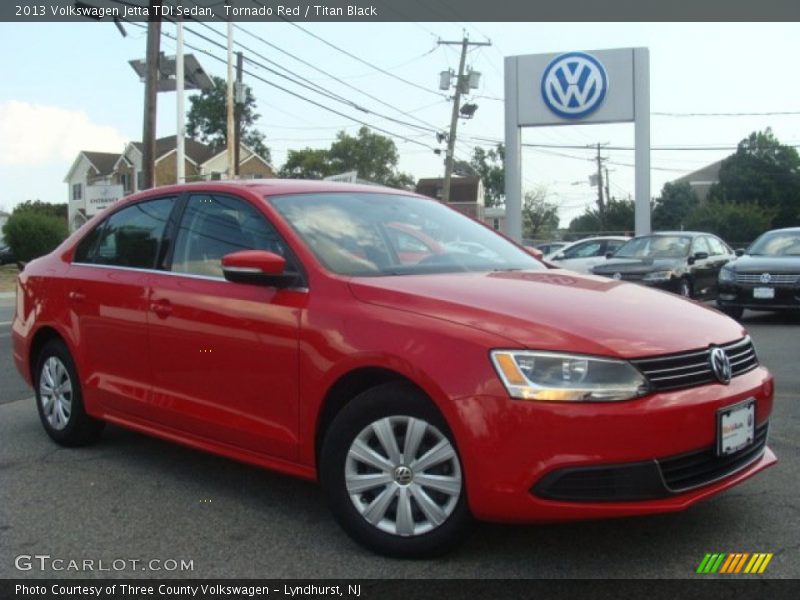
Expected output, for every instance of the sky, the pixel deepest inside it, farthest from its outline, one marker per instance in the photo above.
(68, 87)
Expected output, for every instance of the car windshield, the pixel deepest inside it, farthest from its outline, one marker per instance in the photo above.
(374, 234)
(777, 243)
(655, 246)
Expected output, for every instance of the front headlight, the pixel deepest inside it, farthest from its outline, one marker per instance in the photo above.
(658, 276)
(726, 274)
(567, 377)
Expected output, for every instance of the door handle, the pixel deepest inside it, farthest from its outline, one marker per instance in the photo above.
(162, 308)
(76, 296)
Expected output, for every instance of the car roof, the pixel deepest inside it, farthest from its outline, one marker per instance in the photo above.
(274, 187)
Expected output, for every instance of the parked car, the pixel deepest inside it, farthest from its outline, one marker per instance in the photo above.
(582, 255)
(274, 322)
(6, 255)
(549, 247)
(684, 262)
(765, 277)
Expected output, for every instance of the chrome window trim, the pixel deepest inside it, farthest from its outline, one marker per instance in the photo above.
(303, 290)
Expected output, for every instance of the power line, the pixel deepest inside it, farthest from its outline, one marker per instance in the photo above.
(357, 58)
(310, 101)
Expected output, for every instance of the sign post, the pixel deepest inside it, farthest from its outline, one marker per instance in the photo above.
(572, 88)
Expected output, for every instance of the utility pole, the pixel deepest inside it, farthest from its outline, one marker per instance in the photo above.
(180, 171)
(229, 132)
(150, 97)
(601, 205)
(462, 86)
(239, 99)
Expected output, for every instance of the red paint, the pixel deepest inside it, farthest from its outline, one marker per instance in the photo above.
(243, 370)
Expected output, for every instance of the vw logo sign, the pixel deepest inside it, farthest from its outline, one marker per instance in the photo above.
(574, 85)
(765, 278)
(720, 365)
(617, 276)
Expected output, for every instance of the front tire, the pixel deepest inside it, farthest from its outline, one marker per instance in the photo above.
(59, 399)
(392, 474)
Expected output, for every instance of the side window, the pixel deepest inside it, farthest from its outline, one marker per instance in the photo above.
(128, 238)
(584, 250)
(613, 245)
(717, 247)
(700, 245)
(213, 226)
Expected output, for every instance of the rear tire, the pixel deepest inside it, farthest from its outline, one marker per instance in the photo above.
(59, 399)
(392, 475)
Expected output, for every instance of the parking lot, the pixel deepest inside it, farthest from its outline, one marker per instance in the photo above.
(134, 498)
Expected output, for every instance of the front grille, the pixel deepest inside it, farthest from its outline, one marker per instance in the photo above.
(774, 278)
(692, 470)
(690, 369)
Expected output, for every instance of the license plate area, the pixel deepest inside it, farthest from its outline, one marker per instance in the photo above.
(764, 293)
(736, 426)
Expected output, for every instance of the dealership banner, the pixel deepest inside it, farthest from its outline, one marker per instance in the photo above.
(382, 589)
(398, 10)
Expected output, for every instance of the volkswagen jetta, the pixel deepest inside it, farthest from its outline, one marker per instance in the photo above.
(342, 333)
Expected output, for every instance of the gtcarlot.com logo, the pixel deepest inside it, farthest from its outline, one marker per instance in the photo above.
(45, 562)
(734, 563)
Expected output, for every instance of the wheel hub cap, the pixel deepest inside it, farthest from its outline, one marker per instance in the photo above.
(403, 475)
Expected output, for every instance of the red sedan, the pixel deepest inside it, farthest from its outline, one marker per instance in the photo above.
(337, 332)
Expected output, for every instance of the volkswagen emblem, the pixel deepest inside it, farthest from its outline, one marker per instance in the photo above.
(765, 278)
(720, 365)
(574, 85)
(617, 276)
(403, 475)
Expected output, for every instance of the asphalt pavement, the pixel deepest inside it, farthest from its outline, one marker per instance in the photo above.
(134, 498)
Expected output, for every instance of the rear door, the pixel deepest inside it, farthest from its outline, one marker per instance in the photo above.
(224, 354)
(107, 295)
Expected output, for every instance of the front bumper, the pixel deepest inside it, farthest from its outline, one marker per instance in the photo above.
(513, 450)
(733, 295)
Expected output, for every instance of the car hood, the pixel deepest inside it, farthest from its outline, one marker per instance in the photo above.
(557, 310)
(766, 264)
(637, 265)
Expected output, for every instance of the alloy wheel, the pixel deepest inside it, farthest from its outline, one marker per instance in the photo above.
(55, 393)
(403, 475)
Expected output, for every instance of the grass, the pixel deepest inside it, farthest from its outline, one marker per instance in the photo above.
(8, 278)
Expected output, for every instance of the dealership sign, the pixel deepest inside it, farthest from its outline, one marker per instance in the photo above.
(100, 196)
(577, 88)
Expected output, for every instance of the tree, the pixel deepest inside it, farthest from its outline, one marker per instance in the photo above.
(619, 218)
(764, 172)
(539, 217)
(207, 120)
(490, 166)
(673, 207)
(372, 155)
(35, 228)
(308, 163)
(737, 224)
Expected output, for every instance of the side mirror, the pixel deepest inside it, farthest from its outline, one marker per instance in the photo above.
(700, 255)
(559, 256)
(609, 254)
(739, 252)
(257, 267)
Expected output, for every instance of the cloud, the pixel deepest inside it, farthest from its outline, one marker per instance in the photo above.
(34, 134)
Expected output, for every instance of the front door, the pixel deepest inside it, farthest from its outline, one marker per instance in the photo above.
(224, 355)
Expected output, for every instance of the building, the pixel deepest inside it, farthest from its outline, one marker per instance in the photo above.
(702, 179)
(466, 194)
(97, 179)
